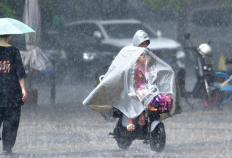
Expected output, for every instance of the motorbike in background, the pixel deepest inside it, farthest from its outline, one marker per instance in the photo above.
(204, 87)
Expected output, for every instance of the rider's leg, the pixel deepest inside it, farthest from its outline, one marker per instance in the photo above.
(130, 126)
(142, 121)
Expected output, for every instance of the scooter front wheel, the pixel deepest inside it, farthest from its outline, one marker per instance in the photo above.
(158, 138)
(123, 143)
(122, 137)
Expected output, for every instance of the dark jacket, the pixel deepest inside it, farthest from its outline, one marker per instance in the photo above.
(11, 71)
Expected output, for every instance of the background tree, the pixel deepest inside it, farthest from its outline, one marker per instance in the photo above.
(5, 10)
(11, 8)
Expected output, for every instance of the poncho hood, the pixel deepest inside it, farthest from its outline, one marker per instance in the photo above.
(139, 37)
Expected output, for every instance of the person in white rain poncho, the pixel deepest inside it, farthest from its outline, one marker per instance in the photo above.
(129, 90)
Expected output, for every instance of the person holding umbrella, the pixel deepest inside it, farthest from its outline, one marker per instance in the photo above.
(13, 91)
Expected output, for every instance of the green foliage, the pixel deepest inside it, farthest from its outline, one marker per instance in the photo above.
(163, 4)
(5, 10)
(177, 4)
(10, 8)
(226, 2)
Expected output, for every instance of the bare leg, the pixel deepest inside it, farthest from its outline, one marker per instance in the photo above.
(139, 94)
(142, 121)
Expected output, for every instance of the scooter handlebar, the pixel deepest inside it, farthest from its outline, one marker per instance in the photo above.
(192, 49)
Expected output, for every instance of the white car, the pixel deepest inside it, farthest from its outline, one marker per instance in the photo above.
(110, 36)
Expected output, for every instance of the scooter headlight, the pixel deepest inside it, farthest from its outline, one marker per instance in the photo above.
(152, 108)
(89, 56)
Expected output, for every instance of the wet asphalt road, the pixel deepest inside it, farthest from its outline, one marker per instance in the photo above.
(70, 129)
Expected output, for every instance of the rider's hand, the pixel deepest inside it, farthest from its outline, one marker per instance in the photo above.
(24, 95)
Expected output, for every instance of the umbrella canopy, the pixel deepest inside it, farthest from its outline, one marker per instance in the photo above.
(10, 26)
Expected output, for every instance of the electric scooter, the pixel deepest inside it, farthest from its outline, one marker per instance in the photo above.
(152, 132)
(204, 88)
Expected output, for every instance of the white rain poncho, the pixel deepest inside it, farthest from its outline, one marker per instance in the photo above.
(117, 89)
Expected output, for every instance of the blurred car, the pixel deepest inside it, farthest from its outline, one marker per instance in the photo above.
(89, 44)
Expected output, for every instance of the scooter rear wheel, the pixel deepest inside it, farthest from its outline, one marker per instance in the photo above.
(158, 138)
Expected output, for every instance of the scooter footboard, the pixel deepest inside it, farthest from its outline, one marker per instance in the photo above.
(153, 124)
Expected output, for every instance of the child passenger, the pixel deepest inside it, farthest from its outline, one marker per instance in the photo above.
(140, 84)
